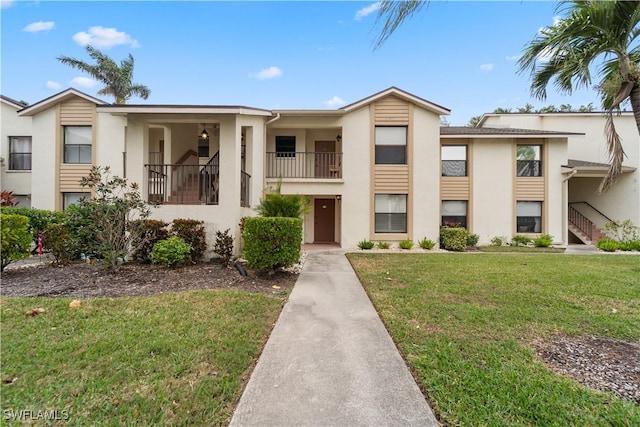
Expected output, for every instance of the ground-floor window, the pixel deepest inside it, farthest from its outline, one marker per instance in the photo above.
(529, 217)
(454, 212)
(391, 213)
(69, 199)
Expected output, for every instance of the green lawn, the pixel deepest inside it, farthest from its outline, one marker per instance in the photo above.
(465, 324)
(172, 359)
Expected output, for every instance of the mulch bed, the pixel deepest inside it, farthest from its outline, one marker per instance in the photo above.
(82, 280)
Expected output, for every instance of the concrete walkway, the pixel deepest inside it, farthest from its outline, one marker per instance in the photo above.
(329, 360)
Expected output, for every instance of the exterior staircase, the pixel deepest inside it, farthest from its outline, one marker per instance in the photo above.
(583, 228)
(188, 193)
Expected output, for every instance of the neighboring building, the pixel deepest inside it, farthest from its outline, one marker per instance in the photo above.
(587, 161)
(381, 168)
(15, 151)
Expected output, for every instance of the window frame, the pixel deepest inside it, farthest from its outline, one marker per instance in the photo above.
(464, 161)
(285, 146)
(529, 167)
(26, 154)
(378, 215)
(538, 227)
(455, 218)
(65, 204)
(383, 150)
(66, 152)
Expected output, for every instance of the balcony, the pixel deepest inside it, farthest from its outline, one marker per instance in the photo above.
(304, 165)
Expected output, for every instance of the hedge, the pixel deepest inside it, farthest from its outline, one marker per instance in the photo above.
(272, 242)
(453, 239)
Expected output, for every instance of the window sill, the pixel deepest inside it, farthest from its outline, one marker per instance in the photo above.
(18, 171)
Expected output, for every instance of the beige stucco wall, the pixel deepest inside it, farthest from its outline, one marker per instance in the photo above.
(110, 142)
(17, 181)
(44, 192)
(492, 212)
(426, 175)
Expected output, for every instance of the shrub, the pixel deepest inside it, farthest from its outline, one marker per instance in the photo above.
(453, 239)
(15, 238)
(520, 239)
(112, 211)
(607, 245)
(366, 244)
(192, 232)
(83, 230)
(406, 244)
(153, 231)
(224, 246)
(498, 241)
(635, 245)
(426, 243)
(276, 204)
(383, 245)
(171, 252)
(472, 239)
(626, 245)
(39, 219)
(57, 239)
(543, 241)
(622, 231)
(8, 199)
(272, 242)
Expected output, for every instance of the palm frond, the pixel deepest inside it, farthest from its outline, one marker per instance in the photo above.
(616, 155)
(393, 13)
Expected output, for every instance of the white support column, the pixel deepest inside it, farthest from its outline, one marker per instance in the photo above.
(230, 152)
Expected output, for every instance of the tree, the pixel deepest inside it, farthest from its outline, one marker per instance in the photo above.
(113, 212)
(566, 52)
(117, 79)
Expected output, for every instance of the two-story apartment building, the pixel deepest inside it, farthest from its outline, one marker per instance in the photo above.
(381, 168)
(15, 150)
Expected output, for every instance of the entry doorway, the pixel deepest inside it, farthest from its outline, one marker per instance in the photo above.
(325, 158)
(324, 230)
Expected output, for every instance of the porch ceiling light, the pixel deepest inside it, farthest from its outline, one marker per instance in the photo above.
(204, 134)
(339, 138)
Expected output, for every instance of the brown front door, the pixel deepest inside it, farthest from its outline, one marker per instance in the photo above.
(325, 156)
(325, 221)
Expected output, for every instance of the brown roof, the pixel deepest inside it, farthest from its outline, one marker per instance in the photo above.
(489, 131)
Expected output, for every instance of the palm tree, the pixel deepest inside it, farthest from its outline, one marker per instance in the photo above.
(117, 79)
(592, 31)
(393, 13)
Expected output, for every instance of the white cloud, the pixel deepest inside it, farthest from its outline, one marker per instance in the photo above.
(6, 3)
(486, 67)
(83, 82)
(366, 11)
(104, 38)
(512, 57)
(52, 85)
(39, 26)
(269, 73)
(334, 102)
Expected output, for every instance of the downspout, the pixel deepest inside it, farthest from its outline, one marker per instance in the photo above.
(277, 117)
(264, 154)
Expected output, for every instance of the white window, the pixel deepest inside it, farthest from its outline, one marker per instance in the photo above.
(454, 212)
(391, 145)
(391, 213)
(73, 198)
(454, 160)
(20, 153)
(77, 144)
(529, 217)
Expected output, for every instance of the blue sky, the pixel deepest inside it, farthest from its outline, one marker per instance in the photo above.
(307, 55)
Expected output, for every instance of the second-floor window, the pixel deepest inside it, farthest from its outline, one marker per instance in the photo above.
(77, 144)
(20, 153)
(529, 160)
(285, 146)
(454, 160)
(391, 145)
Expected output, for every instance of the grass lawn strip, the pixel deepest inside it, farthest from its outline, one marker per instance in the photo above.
(466, 326)
(167, 359)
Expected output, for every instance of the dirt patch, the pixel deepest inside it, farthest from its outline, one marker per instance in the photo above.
(82, 280)
(600, 363)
